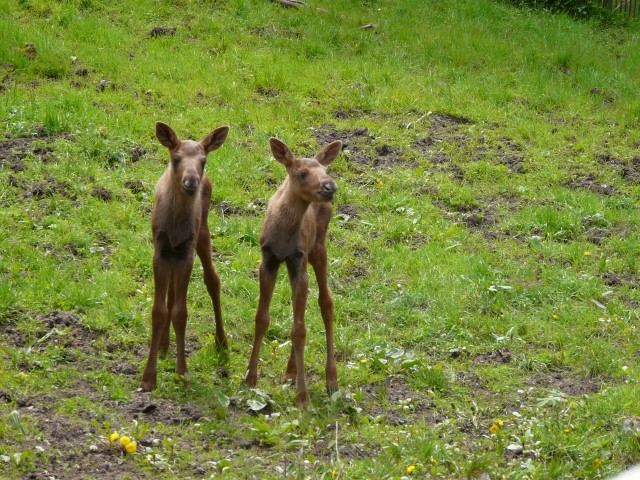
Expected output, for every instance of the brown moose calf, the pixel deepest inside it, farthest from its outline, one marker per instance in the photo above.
(180, 225)
(294, 232)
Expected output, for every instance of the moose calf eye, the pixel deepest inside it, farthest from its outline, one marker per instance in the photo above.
(303, 175)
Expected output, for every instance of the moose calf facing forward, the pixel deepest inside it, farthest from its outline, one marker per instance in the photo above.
(180, 225)
(294, 232)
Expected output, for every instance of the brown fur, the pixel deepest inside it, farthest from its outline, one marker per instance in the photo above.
(294, 232)
(179, 225)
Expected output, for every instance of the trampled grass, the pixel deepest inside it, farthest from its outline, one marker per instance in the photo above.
(483, 252)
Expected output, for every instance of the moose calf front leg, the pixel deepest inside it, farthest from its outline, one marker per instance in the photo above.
(159, 321)
(165, 334)
(268, 272)
(179, 315)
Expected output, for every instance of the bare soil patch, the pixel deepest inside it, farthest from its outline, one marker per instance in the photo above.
(361, 149)
(590, 181)
(15, 150)
(494, 357)
(398, 402)
(567, 383)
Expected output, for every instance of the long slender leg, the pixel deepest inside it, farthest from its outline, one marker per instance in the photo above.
(181, 277)
(299, 279)
(159, 321)
(318, 261)
(166, 331)
(212, 281)
(268, 274)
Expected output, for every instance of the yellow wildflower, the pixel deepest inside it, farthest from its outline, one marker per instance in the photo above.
(567, 430)
(114, 436)
(379, 183)
(499, 423)
(597, 463)
(363, 360)
(131, 447)
(587, 253)
(124, 441)
(555, 316)
(410, 469)
(494, 429)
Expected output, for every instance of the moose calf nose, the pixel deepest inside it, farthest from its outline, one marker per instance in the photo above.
(329, 187)
(190, 184)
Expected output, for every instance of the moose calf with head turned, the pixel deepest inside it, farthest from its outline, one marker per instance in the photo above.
(294, 232)
(180, 225)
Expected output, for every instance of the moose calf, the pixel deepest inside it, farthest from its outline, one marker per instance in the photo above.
(294, 232)
(180, 225)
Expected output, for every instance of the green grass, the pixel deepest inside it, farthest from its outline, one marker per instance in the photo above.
(483, 253)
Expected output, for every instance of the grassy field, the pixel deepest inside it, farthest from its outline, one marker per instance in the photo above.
(484, 251)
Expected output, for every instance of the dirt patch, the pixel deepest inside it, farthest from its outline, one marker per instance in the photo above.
(494, 357)
(63, 329)
(39, 190)
(136, 153)
(15, 150)
(348, 210)
(135, 186)
(143, 406)
(257, 207)
(613, 279)
(162, 32)
(566, 383)
(597, 235)
(359, 148)
(398, 403)
(444, 128)
(71, 449)
(590, 181)
(102, 193)
(628, 169)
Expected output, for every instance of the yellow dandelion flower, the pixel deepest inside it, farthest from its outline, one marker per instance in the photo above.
(363, 360)
(555, 316)
(567, 430)
(114, 436)
(124, 441)
(587, 253)
(494, 429)
(499, 423)
(379, 183)
(334, 472)
(410, 469)
(597, 463)
(131, 447)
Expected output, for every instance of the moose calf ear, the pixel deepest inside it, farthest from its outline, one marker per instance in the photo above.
(215, 139)
(166, 135)
(281, 152)
(329, 153)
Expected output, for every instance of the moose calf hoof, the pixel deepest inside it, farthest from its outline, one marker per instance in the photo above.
(222, 344)
(251, 380)
(147, 386)
(302, 400)
(332, 389)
